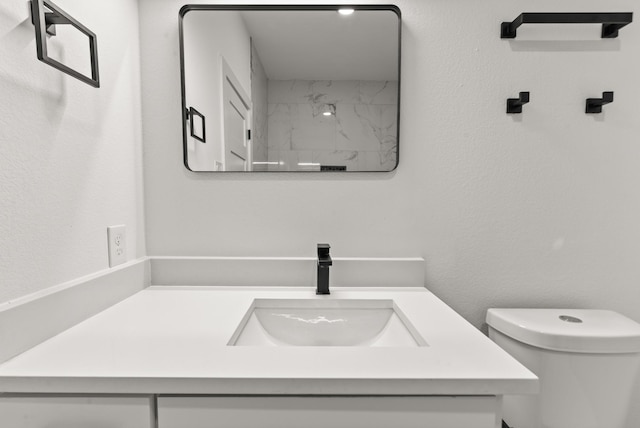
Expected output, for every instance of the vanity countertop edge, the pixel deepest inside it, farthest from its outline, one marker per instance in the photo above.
(173, 340)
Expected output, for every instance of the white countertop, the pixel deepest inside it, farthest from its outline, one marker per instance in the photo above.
(173, 340)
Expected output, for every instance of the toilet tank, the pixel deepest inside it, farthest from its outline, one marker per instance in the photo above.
(588, 363)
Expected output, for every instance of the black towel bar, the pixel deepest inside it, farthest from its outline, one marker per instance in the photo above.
(611, 22)
(45, 22)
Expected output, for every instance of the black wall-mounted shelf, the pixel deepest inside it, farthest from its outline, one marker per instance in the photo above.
(611, 22)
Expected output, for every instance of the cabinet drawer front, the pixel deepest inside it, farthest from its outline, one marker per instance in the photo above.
(75, 412)
(323, 412)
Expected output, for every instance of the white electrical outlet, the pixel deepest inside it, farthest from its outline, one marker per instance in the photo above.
(117, 238)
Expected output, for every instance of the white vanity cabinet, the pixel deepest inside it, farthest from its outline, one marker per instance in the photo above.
(75, 412)
(334, 412)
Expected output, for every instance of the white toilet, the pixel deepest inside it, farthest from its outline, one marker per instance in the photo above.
(588, 363)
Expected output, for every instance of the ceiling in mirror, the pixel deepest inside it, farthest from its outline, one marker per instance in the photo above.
(290, 88)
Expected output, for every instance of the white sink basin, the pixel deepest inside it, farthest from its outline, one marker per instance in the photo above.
(325, 322)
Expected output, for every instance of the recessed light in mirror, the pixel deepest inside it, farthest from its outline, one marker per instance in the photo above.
(329, 110)
(345, 11)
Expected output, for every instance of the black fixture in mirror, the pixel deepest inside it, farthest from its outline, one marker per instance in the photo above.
(291, 88)
(196, 125)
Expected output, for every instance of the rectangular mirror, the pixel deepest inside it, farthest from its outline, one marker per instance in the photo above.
(290, 88)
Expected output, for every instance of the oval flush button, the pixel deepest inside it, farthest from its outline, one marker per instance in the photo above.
(568, 318)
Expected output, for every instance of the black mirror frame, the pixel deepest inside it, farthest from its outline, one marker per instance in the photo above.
(247, 7)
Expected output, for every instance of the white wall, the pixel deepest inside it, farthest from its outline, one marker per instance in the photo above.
(209, 37)
(70, 154)
(541, 209)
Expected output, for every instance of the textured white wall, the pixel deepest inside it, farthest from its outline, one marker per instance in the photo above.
(537, 210)
(70, 154)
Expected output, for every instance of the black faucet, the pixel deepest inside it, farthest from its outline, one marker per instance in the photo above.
(324, 261)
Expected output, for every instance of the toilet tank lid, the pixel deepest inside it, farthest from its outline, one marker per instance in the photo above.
(571, 330)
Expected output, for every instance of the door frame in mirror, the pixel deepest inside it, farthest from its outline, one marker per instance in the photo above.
(254, 7)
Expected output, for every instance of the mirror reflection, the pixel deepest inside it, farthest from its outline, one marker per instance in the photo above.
(302, 88)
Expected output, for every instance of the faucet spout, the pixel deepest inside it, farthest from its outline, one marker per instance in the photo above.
(324, 262)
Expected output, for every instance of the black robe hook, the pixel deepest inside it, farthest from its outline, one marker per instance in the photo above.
(514, 105)
(594, 105)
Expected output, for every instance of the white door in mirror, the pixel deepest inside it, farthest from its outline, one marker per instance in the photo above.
(117, 240)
